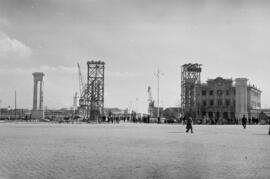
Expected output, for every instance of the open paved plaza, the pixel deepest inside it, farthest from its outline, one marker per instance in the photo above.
(45, 150)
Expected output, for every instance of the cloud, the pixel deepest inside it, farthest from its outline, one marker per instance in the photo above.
(4, 22)
(120, 74)
(72, 70)
(59, 69)
(46, 69)
(11, 48)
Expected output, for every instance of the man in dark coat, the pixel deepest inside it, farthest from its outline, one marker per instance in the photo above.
(269, 127)
(189, 124)
(244, 121)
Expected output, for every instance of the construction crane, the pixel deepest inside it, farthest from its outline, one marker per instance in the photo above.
(75, 101)
(82, 88)
(82, 98)
(81, 81)
(151, 102)
(150, 98)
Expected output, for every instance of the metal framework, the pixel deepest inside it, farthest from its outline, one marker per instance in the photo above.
(190, 80)
(94, 92)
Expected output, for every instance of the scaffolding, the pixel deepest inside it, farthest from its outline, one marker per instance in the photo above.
(190, 81)
(94, 92)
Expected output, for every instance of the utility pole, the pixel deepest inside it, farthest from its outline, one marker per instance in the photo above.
(158, 76)
(178, 108)
(15, 104)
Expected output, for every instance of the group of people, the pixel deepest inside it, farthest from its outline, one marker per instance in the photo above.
(244, 123)
(189, 123)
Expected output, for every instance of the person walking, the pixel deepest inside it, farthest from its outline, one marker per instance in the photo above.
(244, 121)
(269, 126)
(189, 125)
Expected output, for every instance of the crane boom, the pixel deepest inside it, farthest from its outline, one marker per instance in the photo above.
(150, 99)
(81, 82)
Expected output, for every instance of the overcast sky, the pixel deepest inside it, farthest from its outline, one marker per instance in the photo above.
(134, 37)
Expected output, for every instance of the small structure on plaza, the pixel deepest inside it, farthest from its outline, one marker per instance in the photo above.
(38, 111)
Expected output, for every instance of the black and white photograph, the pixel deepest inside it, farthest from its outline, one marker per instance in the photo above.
(134, 89)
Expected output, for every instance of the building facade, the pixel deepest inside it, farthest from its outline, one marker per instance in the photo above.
(224, 101)
(254, 102)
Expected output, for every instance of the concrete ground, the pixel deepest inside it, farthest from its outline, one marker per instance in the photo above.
(45, 150)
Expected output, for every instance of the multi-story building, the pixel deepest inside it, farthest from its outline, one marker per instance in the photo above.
(226, 101)
(254, 102)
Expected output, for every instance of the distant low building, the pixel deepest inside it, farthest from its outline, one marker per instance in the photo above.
(172, 113)
(264, 116)
(155, 111)
(114, 111)
(6, 113)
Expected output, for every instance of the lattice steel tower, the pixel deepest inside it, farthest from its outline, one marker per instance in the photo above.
(190, 80)
(95, 90)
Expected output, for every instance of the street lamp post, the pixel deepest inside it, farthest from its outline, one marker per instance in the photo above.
(15, 105)
(158, 76)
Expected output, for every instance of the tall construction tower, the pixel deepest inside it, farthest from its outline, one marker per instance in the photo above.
(94, 92)
(190, 81)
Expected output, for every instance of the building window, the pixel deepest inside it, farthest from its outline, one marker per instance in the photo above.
(211, 102)
(228, 102)
(203, 92)
(219, 92)
(203, 113)
(211, 92)
(204, 102)
(219, 102)
(227, 92)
